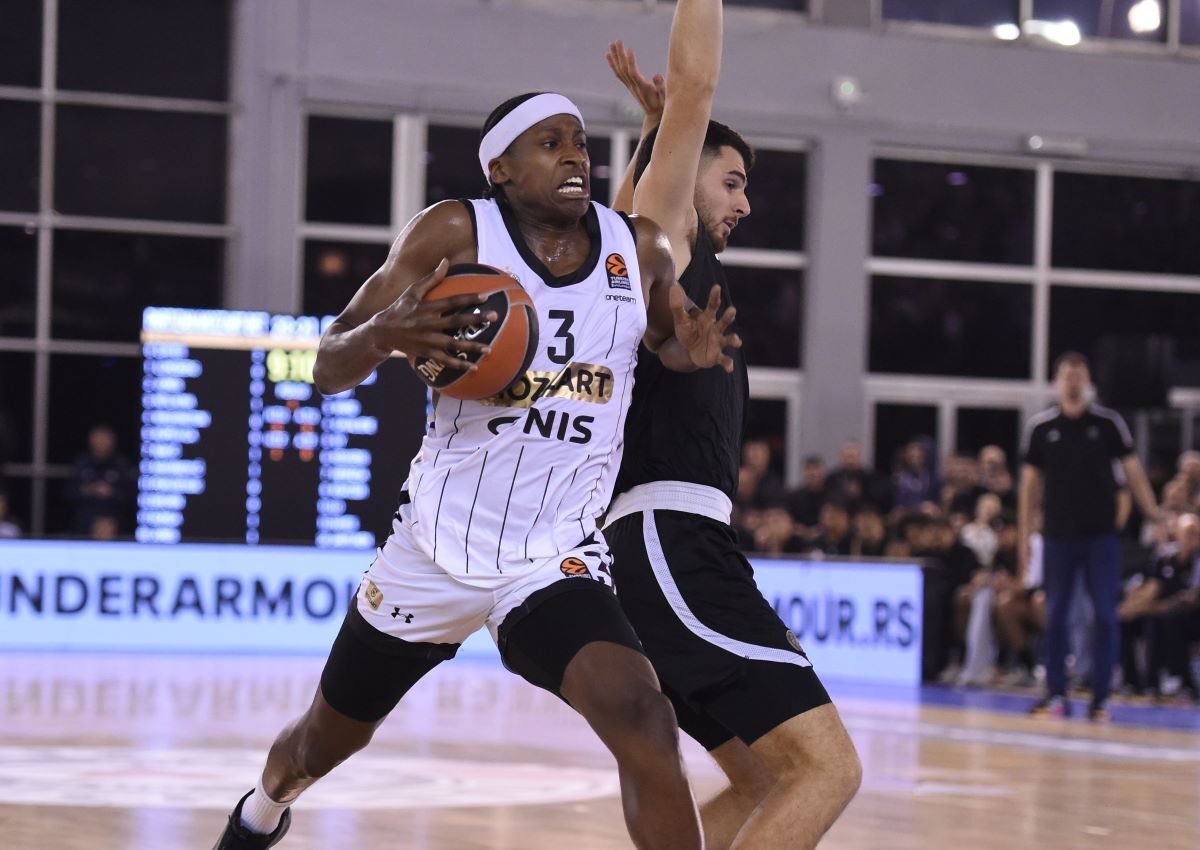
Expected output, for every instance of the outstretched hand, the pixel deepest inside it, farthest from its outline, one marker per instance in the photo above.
(423, 328)
(651, 94)
(703, 333)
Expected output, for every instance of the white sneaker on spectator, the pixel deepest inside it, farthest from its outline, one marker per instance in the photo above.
(950, 674)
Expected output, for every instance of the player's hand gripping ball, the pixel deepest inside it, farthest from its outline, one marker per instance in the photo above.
(512, 338)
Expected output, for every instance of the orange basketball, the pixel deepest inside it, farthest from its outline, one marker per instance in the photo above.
(513, 337)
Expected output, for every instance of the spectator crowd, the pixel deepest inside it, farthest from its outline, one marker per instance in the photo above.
(983, 624)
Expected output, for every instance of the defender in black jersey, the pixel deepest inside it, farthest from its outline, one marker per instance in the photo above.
(739, 680)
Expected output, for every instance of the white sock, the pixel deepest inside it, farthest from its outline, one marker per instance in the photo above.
(260, 813)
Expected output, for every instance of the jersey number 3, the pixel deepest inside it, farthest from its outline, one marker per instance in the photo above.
(562, 354)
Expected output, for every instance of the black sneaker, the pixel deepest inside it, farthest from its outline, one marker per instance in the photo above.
(1098, 711)
(1055, 707)
(237, 837)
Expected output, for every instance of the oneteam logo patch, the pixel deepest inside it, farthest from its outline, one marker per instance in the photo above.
(618, 272)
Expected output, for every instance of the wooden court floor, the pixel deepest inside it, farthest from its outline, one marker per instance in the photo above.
(149, 752)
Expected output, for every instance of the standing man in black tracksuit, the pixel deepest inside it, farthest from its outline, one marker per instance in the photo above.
(1070, 451)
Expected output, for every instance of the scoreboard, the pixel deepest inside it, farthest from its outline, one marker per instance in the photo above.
(237, 445)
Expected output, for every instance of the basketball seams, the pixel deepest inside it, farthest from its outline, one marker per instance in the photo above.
(515, 326)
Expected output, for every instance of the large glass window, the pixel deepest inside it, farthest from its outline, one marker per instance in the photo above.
(168, 48)
(349, 175)
(18, 280)
(600, 155)
(766, 420)
(21, 43)
(976, 427)
(1189, 22)
(452, 164)
(139, 164)
(939, 211)
(333, 272)
(76, 381)
(970, 13)
(946, 327)
(103, 281)
(1082, 318)
(777, 191)
(896, 425)
(770, 305)
(20, 134)
(1108, 19)
(16, 407)
(157, 164)
(1119, 223)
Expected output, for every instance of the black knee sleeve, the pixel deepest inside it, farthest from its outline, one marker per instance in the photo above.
(368, 671)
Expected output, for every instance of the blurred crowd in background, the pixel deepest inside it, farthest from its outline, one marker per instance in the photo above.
(983, 623)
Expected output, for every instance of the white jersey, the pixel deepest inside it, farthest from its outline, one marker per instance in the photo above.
(503, 484)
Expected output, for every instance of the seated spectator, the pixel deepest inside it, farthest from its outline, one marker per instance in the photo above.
(104, 528)
(805, 503)
(1160, 606)
(763, 485)
(870, 535)
(102, 483)
(962, 489)
(978, 602)
(8, 529)
(776, 533)
(833, 531)
(995, 476)
(852, 483)
(1189, 475)
(1020, 611)
(980, 534)
(932, 540)
(914, 483)
(1156, 536)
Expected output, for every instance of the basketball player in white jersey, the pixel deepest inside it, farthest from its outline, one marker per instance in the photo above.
(497, 524)
(740, 682)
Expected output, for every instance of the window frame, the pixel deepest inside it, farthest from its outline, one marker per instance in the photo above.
(47, 221)
(949, 393)
(1171, 45)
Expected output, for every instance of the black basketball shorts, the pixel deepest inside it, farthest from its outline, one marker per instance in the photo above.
(730, 665)
(409, 615)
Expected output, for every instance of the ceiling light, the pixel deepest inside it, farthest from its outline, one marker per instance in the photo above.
(1145, 16)
(1065, 32)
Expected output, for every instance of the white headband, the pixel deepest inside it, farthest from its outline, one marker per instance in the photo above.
(532, 111)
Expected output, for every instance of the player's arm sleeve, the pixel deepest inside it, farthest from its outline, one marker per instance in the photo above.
(667, 189)
(658, 281)
(1120, 438)
(1034, 449)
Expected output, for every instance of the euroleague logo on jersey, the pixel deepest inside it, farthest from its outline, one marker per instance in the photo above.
(574, 567)
(618, 272)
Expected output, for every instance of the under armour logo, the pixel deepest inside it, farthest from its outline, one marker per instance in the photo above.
(408, 618)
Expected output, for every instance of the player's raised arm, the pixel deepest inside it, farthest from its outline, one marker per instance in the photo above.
(683, 336)
(651, 95)
(387, 313)
(666, 189)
